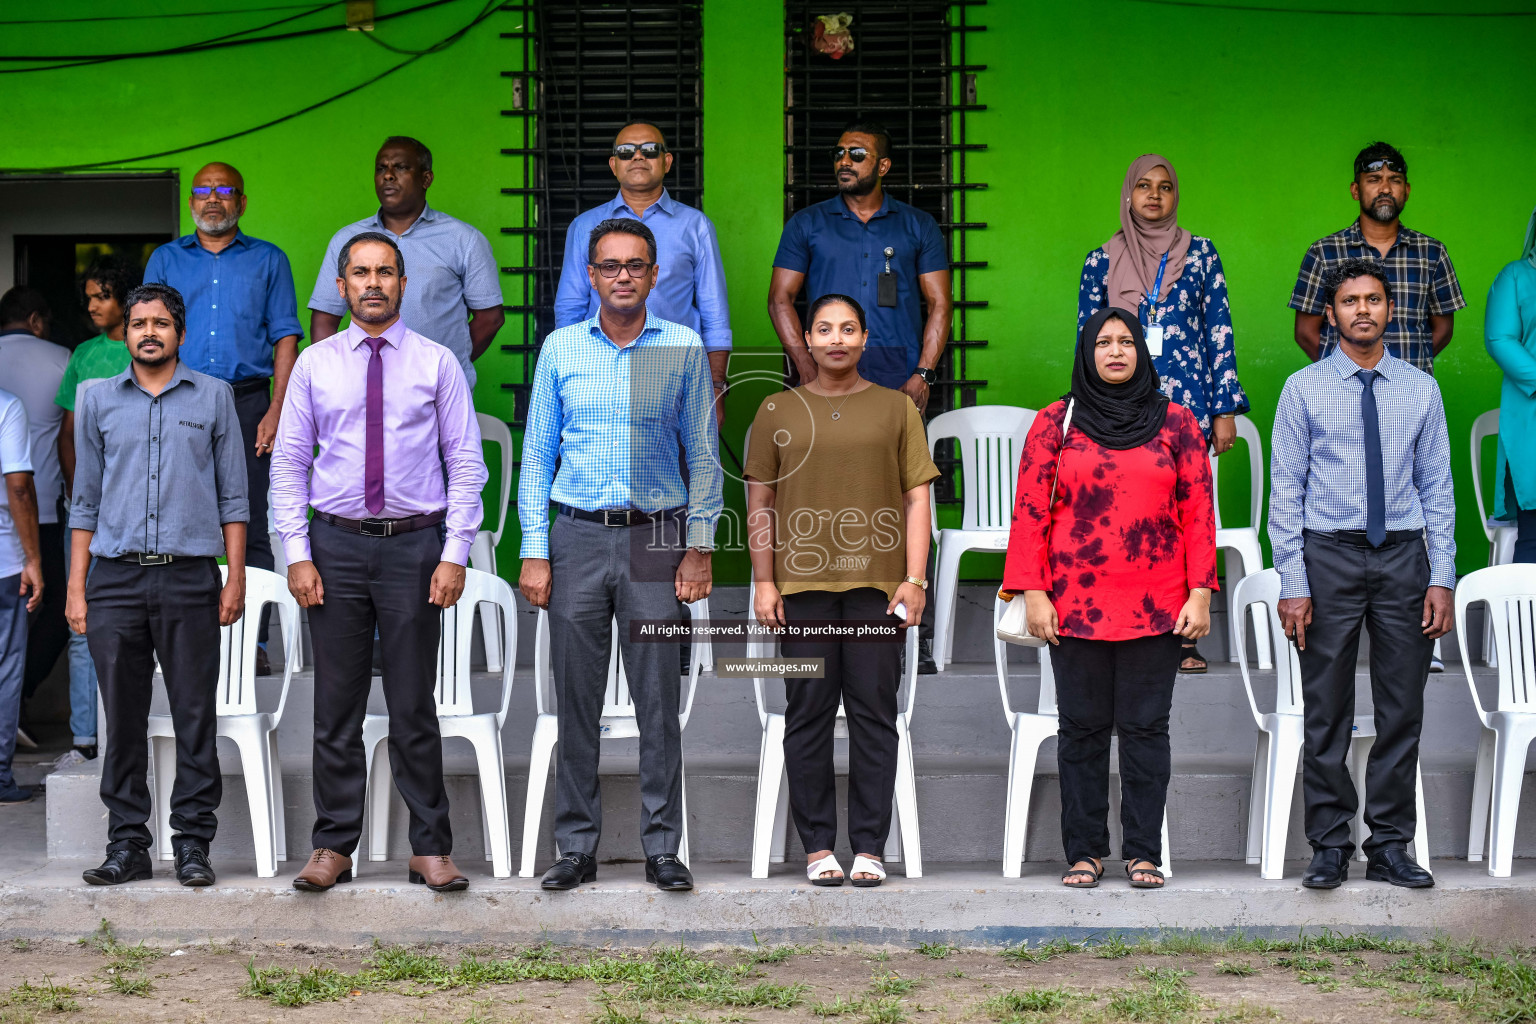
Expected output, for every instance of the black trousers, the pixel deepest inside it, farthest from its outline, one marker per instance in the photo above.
(249, 409)
(865, 678)
(134, 613)
(376, 583)
(1382, 589)
(47, 630)
(1124, 686)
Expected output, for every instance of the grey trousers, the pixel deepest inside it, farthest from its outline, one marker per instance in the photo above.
(599, 573)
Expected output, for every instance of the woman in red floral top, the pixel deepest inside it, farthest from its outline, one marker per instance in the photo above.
(1115, 572)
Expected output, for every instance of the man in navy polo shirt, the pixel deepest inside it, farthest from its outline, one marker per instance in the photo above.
(887, 254)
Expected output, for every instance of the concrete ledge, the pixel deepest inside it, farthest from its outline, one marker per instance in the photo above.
(951, 903)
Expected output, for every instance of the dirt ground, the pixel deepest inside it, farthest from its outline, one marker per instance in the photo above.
(100, 979)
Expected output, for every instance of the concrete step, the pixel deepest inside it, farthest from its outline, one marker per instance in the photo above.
(962, 904)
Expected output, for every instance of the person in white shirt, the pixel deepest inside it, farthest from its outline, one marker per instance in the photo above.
(31, 368)
(21, 579)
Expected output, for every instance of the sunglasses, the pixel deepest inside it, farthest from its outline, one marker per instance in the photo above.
(611, 268)
(648, 150)
(224, 191)
(855, 153)
(1380, 165)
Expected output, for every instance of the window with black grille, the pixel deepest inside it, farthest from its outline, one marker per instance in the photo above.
(907, 69)
(591, 68)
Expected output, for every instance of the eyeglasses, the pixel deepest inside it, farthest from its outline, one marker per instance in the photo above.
(224, 191)
(611, 268)
(649, 150)
(855, 153)
(1380, 165)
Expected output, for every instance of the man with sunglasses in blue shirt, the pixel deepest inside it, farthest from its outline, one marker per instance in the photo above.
(242, 326)
(690, 287)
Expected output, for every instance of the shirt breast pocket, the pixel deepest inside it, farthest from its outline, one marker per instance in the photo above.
(654, 393)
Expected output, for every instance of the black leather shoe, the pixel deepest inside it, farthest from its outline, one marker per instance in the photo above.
(1394, 864)
(192, 867)
(926, 666)
(121, 866)
(1329, 869)
(668, 873)
(570, 871)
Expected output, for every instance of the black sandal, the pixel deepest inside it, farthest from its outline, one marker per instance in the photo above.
(1191, 652)
(1084, 873)
(1131, 870)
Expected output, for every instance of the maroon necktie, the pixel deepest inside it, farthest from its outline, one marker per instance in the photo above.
(373, 458)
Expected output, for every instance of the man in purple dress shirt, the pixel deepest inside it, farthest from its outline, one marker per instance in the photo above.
(391, 414)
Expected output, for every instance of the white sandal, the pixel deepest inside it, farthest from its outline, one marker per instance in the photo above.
(863, 865)
(828, 863)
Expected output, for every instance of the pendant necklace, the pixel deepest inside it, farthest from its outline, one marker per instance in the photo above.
(837, 412)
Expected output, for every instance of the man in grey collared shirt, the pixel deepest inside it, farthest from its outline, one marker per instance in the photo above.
(160, 493)
(455, 292)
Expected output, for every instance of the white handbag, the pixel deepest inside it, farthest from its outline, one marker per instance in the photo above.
(1013, 627)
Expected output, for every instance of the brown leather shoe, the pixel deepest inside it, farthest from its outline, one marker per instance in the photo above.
(324, 870)
(437, 874)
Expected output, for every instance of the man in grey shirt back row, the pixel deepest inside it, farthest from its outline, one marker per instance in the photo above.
(160, 494)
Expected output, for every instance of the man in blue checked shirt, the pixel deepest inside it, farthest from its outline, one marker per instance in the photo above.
(615, 398)
(242, 327)
(690, 282)
(1362, 517)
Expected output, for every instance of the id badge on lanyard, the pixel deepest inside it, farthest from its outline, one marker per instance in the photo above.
(1154, 330)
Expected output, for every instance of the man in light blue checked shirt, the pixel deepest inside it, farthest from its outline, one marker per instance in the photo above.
(1362, 518)
(614, 400)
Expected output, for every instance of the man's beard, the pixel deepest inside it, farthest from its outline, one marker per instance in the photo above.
(216, 227)
(363, 314)
(159, 360)
(859, 186)
(1383, 209)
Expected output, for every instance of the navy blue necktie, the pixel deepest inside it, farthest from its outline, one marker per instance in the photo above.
(1375, 479)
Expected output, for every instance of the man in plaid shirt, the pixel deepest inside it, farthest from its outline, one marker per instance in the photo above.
(1423, 281)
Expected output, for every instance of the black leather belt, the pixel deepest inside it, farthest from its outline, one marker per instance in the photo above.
(384, 527)
(1356, 538)
(250, 385)
(620, 516)
(141, 558)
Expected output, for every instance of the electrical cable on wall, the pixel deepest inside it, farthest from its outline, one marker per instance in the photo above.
(160, 17)
(442, 44)
(216, 43)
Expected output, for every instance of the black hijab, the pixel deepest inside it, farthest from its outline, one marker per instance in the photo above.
(1117, 416)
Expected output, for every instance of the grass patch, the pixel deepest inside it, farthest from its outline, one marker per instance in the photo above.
(1305, 964)
(891, 985)
(1113, 948)
(776, 954)
(1166, 999)
(1014, 1007)
(1236, 968)
(886, 1010)
(1040, 954)
(838, 1007)
(287, 986)
(935, 950)
(44, 998)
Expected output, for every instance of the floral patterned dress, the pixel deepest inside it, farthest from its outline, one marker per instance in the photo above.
(1131, 532)
(1198, 367)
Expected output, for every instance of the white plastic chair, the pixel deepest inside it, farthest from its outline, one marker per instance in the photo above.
(1030, 729)
(254, 732)
(991, 439)
(1501, 534)
(770, 829)
(482, 551)
(1282, 734)
(280, 566)
(456, 716)
(1244, 541)
(1509, 593)
(618, 722)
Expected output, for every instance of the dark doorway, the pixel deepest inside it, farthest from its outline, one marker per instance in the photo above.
(52, 226)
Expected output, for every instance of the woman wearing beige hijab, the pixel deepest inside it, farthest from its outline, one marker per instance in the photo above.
(1175, 283)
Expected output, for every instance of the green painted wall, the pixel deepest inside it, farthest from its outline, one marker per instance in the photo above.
(1262, 112)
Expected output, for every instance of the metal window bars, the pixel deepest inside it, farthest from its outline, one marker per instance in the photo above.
(589, 68)
(909, 70)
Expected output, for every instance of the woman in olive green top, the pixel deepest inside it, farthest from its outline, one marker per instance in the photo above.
(838, 527)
